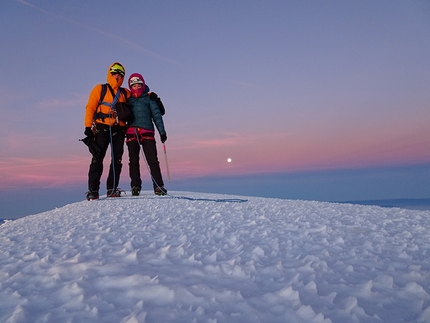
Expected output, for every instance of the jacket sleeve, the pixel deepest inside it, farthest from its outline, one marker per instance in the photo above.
(91, 107)
(156, 116)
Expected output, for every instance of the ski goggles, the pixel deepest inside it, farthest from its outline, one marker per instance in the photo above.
(117, 69)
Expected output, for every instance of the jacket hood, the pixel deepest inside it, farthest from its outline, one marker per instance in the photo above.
(134, 76)
(112, 80)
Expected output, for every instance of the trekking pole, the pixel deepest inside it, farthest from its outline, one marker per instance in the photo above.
(167, 164)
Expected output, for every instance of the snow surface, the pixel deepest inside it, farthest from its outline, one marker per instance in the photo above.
(167, 259)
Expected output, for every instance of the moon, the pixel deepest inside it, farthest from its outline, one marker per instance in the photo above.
(229, 160)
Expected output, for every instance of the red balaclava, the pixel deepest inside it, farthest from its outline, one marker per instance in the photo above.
(136, 78)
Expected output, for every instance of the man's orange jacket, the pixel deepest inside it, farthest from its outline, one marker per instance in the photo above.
(94, 98)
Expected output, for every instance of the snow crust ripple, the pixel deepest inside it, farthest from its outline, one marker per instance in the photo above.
(164, 259)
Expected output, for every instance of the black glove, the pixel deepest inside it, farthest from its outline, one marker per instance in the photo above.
(89, 140)
(153, 96)
(163, 138)
(88, 132)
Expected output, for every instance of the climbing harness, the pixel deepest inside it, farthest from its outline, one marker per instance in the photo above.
(103, 116)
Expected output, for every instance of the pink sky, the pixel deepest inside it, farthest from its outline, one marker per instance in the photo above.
(250, 154)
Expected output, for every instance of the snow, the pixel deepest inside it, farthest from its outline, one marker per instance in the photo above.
(196, 257)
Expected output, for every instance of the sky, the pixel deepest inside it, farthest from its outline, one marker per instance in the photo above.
(281, 87)
(199, 257)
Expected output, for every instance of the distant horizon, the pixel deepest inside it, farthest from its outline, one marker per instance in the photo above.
(360, 186)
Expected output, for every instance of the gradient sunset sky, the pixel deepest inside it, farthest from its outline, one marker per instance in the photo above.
(280, 87)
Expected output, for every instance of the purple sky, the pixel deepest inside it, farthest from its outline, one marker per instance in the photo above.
(278, 87)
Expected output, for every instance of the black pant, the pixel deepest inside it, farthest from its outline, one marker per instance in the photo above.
(107, 135)
(150, 151)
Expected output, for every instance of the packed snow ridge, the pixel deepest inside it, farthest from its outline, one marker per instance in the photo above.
(194, 257)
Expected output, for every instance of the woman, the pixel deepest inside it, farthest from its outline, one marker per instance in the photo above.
(141, 132)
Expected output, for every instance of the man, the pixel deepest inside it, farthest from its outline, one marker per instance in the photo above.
(102, 129)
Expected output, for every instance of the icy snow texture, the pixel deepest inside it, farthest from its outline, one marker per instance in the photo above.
(164, 259)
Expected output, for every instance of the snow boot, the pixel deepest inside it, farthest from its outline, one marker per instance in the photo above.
(135, 191)
(92, 195)
(114, 192)
(160, 191)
